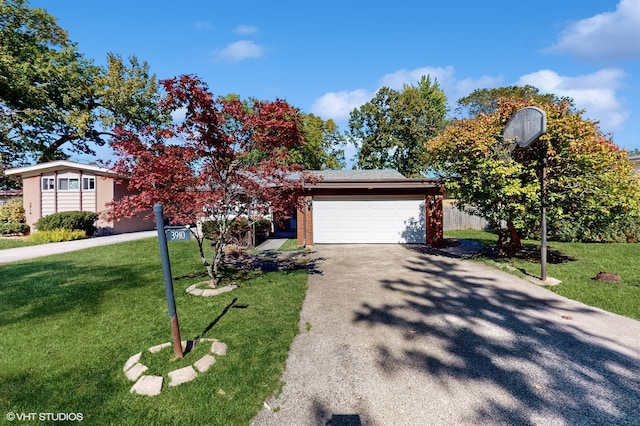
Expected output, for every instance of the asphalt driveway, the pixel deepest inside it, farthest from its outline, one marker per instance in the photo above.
(391, 335)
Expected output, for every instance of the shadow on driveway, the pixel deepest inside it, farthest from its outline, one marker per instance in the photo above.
(404, 337)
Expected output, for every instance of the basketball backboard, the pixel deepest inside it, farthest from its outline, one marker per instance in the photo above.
(525, 127)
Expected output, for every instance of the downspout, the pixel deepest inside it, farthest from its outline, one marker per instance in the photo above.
(304, 224)
(80, 188)
(41, 195)
(55, 192)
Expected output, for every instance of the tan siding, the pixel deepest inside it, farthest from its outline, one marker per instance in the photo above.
(89, 201)
(31, 200)
(104, 193)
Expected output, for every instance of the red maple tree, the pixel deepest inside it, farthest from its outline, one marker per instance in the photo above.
(225, 162)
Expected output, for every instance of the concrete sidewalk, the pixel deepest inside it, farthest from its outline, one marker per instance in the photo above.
(271, 244)
(32, 252)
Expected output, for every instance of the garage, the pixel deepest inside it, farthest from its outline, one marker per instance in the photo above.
(369, 207)
(369, 219)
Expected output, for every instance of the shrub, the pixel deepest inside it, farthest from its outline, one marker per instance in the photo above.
(13, 211)
(623, 229)
(57, 235)
(73, 220)
(12, 228)
(262, 227)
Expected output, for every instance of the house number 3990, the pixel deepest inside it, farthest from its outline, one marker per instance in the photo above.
(177, 234)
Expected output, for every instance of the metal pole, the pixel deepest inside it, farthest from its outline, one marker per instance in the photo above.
(168, 281)
(543, 214)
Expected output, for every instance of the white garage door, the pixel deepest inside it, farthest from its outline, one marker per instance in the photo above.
(368, 220)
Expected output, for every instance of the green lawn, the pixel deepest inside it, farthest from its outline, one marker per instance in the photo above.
(69, 323)
(576, 264)
(7, 243)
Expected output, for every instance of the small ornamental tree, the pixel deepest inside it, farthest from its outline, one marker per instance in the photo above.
(225, 162)
(589, 184)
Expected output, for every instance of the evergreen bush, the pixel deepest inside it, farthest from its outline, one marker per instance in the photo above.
(72, 220)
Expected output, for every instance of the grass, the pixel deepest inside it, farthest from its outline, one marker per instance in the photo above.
(290, 245)
(14, 242)
(575, 264)
(69, 323)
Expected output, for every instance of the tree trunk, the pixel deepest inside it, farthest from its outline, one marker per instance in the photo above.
(200, 240)
(218, 257)
(508, 247)
(514, 240)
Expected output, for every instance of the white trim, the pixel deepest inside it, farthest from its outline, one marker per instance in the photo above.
(56, 165)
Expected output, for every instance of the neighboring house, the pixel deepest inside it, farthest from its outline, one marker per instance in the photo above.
(8, 194)
(635, 160)
(370, 206)
(60, 186)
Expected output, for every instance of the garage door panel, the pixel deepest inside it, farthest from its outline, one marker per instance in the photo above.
(368, 220)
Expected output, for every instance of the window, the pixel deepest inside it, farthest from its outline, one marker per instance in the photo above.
(68, 184)
(48, 184)
(88, 184)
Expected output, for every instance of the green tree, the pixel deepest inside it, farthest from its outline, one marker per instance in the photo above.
(590, 184)
(393, 129)
(56, 102)
(324, 145)
(485, 101)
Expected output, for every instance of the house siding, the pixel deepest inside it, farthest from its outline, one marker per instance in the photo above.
(104, 194)
(31, 200)
(38, 202)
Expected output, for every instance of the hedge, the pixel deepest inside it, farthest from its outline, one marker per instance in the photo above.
(13, 228)
(72, 220)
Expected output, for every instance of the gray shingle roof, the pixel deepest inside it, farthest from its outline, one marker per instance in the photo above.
(357, 174)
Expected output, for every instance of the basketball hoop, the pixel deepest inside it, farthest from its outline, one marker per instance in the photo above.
(525, 127)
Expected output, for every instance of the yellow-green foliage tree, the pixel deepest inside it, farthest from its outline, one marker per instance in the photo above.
(12, 211)
(592, 194)
(324, 145)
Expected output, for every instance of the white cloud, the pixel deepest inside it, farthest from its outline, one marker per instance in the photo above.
(595, 93)
(400, 78)
(338, 105)
(609, 35)
(446, 78)
(246, 29)
(240, 50)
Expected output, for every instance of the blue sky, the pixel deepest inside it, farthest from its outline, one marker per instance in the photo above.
(328, 57)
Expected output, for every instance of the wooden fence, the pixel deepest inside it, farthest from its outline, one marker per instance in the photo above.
(454, 218)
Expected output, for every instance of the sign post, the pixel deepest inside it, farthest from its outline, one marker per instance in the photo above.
(524, 128)
(168, 281)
